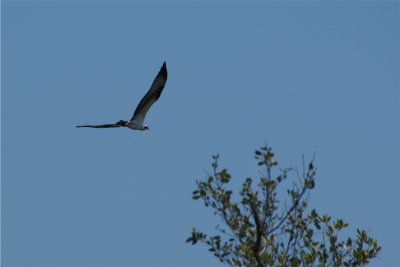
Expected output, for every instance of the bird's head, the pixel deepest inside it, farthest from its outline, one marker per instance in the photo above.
(146, 128)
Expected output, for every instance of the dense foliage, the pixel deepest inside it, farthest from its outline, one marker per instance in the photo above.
(264, 228)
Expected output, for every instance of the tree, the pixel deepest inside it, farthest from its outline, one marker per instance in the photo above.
(260, 230)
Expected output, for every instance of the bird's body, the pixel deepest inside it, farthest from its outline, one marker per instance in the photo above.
(135, 125)
(137, 120)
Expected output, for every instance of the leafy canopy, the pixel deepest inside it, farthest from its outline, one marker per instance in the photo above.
(263, 230)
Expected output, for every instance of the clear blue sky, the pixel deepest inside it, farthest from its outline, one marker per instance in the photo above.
(304, 76)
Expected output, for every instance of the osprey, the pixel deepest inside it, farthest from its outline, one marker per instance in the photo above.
(137, 120)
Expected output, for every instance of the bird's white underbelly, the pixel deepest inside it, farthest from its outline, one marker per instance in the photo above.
(135, 126)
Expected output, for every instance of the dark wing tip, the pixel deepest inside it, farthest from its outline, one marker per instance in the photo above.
(163, 71)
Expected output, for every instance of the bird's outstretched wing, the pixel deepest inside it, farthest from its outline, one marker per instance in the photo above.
(109, 125)
(151, 96)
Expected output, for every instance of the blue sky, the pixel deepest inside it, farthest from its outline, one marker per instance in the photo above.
(306, 77)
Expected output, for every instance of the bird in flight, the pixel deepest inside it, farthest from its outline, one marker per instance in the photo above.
(137, 120)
